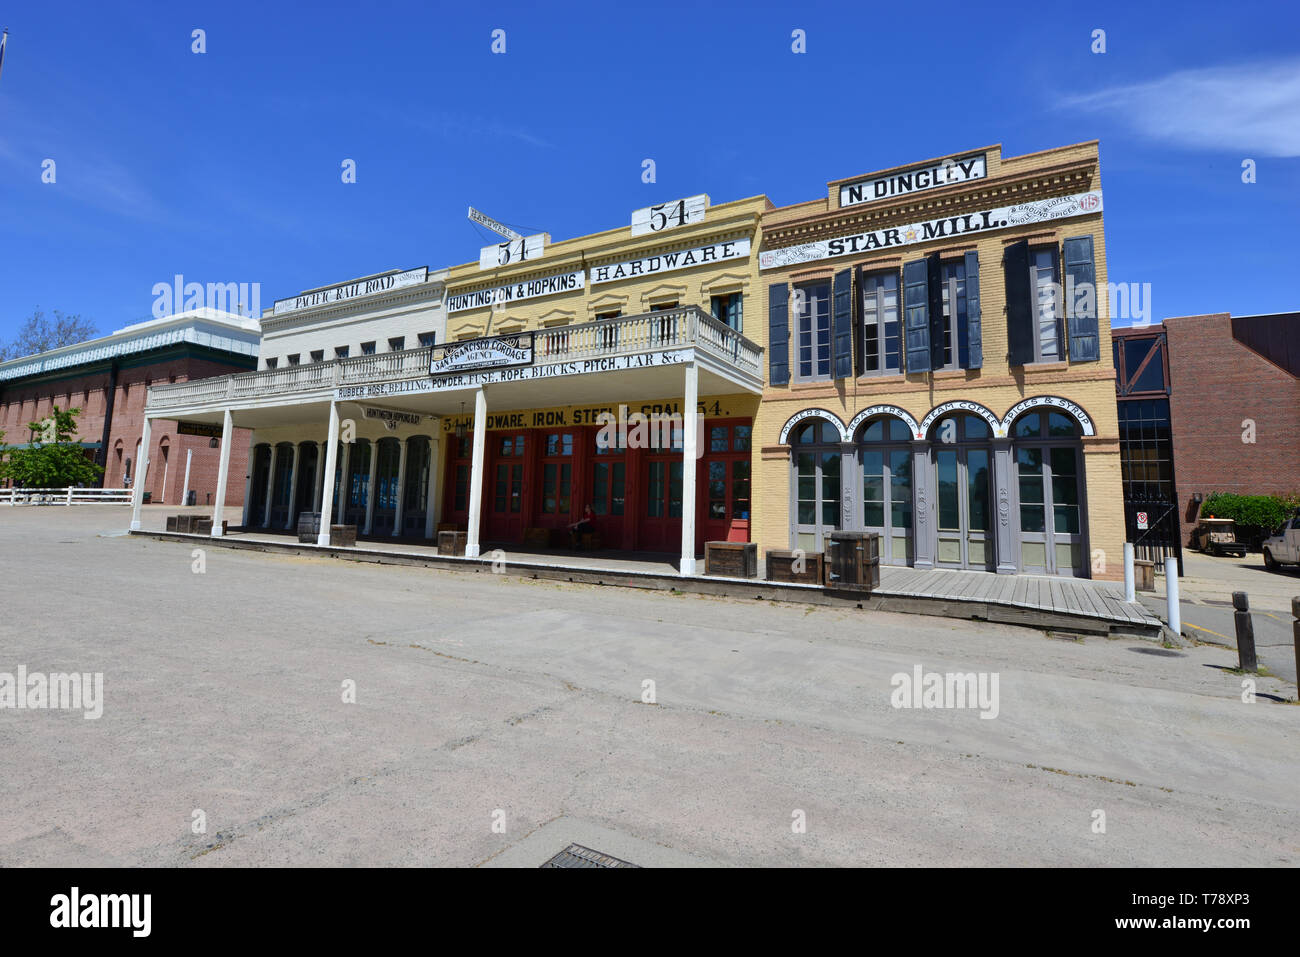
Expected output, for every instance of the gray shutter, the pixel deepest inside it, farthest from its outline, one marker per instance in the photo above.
(778, 334)
(1080, 270)
(916, 315)
(842, 325)
(1020, 308)
(935, 289)
(974, 331)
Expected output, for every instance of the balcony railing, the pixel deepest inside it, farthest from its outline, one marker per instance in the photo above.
(680, 328)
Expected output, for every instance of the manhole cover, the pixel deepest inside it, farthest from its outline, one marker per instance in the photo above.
(575, 855)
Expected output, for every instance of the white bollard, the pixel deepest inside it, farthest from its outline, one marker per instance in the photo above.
(1130, 592)
(1171, 595)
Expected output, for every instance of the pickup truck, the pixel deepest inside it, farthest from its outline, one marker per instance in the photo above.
(1283, 548)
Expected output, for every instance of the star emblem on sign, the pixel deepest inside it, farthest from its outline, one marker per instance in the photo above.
(910, 235)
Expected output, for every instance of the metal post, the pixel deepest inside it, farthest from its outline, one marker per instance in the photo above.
(1171, 595)
(1246, 659)
(1130, 592)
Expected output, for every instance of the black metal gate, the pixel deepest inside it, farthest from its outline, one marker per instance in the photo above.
(1161, 537)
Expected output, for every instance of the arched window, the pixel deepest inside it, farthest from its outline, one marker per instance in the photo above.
(1049, 480)
(885, 456)
(816, 485)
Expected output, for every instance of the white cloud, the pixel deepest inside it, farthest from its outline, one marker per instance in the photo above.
(1248, 109)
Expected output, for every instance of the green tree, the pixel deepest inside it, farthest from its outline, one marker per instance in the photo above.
(56, 460)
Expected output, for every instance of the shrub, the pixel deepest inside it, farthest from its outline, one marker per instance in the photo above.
(1256, 515)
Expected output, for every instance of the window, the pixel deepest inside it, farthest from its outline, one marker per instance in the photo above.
(428, 339)
(727, 309)
(952, 282)
(608, 315)
(295, 359)
(881, 333)
(340, 352)
(368, 348)
(1046, 291)
(318, 355)
(272, 362)
(397, 344)
(812, 310)
(660, 307)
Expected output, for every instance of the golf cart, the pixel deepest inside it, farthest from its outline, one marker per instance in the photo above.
(1218, 536)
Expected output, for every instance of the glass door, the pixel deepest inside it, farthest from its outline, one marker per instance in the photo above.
(661, 526)
(505, 516)
(963, 508)
(887, 501)
(1050, 539)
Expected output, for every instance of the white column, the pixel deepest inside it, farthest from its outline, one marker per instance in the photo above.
(401, 488)
(141, 473)
(185, 492)
(293, 485)
(370, 487)
(344, 478)
(316, 478)
(432, 499)
(476, 472)
(327, 494)
(270, 487)
(690, 444)
(223, 472)
(1129, 593)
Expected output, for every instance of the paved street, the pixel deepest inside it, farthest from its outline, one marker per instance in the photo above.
(496, 719)
(1206, 596)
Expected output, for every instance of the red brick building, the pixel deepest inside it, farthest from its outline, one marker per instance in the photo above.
(107, 378)
(1233, 386)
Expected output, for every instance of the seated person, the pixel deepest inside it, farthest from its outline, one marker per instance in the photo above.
(584, 526)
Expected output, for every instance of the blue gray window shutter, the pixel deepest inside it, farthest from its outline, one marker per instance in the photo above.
(974, 332)
(1020, 309)
(935, 286)
(916, 315)
(1081, 278)
(778, 334)
(842, 324)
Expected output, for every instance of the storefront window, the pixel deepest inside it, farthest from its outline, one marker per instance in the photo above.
(1047, 293)
(811, 305)
(952, 276)
(881, 335)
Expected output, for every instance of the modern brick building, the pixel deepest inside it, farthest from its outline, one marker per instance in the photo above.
(1234, 402)
(108, 379)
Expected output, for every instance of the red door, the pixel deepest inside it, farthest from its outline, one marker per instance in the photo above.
(723, 483)
(507, 489)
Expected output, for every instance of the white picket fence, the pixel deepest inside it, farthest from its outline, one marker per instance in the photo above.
(65, 496)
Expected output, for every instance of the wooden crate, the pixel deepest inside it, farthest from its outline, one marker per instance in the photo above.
(731, 559)
(343, 535)
(853, 561)
(202, 525)
(781, 567)
(537, 537)
(308, 527)
(1144, 575)
(171, 522)
(452, 543)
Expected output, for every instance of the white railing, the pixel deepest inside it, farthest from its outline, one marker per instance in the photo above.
(65, 496)
(680, 328)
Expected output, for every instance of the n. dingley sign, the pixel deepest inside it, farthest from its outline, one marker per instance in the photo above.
(913, 180)
(1038, 211)
(353, 290)
(667, 262)
(514, 292)
(490, 353)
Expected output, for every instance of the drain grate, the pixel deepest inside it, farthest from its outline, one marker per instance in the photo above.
(575, 855)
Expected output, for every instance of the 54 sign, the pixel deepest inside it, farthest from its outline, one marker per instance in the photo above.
(513, 251)
(680, 212)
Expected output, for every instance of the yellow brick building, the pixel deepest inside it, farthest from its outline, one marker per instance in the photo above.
(939, 367)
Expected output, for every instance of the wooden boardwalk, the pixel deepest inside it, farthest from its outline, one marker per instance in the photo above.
(1037, 596)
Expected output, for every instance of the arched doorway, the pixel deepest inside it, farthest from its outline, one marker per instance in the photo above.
(415, 487)
(358, 484)
(962, 461)
(255, 508)
(305, 480)
(282, 484)
(389, 451)
(885, 460)
(816, 483)
(1049, 484)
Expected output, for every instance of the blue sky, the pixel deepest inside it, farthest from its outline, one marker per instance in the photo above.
(225, 166)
